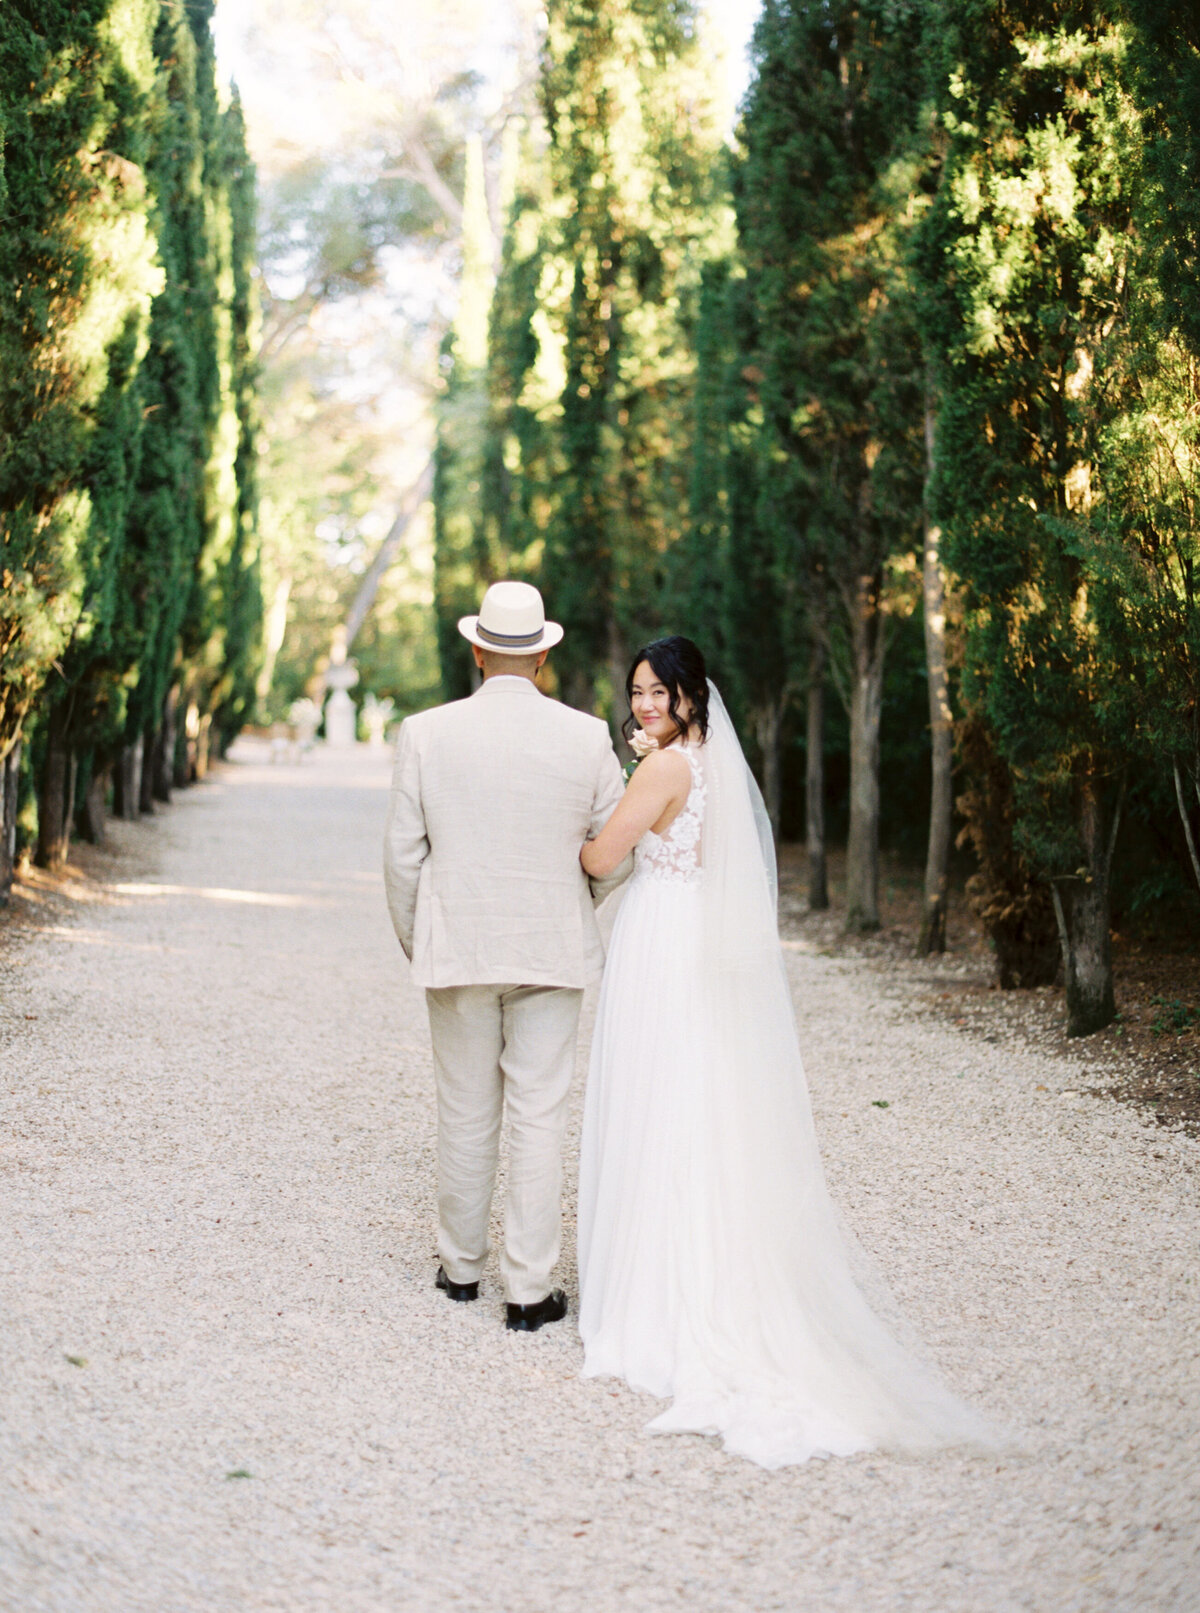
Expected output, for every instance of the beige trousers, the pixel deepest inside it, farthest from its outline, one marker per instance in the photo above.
(495, 1046)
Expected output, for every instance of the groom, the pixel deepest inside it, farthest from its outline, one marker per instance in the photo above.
(492, 798)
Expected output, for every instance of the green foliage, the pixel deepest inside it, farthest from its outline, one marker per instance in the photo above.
(462, 564)
(737, 577)
(241, 585)
(521, 459)
(822, 192)
(634, 215)
(1164, 65)
(395, 653)
(561, 460)
(1065, 448)
(1173, 1016)
(180, 383)
(686, 393)
(127, 486)
(77, 272)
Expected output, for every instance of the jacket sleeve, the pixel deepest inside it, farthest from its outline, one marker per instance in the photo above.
(610, 786)
(406, 843)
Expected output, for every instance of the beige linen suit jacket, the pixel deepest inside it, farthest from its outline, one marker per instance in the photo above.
(492, 798)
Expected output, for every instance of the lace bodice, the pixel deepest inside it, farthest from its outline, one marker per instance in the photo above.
(675, 854)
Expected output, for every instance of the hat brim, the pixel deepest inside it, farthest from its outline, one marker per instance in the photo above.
(551, 635)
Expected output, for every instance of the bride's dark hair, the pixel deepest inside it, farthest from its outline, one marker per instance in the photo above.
(679, 665)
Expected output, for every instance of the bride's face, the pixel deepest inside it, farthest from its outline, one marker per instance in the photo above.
(651, 705)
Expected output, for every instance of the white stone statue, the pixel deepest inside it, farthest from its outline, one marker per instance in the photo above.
(305, 717)
(376, 715)
(341, 719)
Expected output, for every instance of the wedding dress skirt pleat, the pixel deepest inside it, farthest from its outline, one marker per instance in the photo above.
(713, 1268)
(641, 1144)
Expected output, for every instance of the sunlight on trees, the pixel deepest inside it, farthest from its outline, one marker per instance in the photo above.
(888, 390)
(363, 166)
(127, 483)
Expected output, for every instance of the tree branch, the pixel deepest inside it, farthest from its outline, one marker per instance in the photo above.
(1187, 827)
(1116, 824)
(419, 165)
(386, 553)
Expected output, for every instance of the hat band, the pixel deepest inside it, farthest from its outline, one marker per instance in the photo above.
(514, 640)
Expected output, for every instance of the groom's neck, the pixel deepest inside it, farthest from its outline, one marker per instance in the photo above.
(493, 665)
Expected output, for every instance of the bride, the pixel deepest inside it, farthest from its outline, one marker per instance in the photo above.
(714, 1270)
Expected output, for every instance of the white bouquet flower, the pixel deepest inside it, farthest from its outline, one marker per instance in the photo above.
(641, 744)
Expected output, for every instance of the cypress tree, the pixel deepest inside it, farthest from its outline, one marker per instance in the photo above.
(631, 167)
(241, 593)
(462, 563)
(739, 569)
(77, 269)
(1039, 269)
(204, 674)
(181, 385)
(700, 562)
(127, 423)
(1143, 576)
(1164, 66)
(523, 384)
(828, 116)
(191, 626)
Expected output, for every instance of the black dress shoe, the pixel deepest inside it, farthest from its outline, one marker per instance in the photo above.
(460, 1291)
(528, 1318)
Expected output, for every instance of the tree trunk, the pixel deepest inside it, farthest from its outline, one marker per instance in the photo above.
(93, 813)
(151, 762)
(814, 781)
(579, 691)
(203, 746)
(163, 772)
(1081, 905)
(767, 719)
(932, 937)
(274, 632)
(618, 667)
(182, 754)
(56, 795)
(1016, 909)
(1187, 824)
(127, 781)
(10, 775)
(413, 502)
(866, 706)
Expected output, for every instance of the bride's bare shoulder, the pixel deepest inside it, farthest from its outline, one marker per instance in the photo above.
(660, 761)
(664, 769)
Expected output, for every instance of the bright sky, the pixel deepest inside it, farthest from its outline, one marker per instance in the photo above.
(734, 21)
(281, 114)
(295, 106)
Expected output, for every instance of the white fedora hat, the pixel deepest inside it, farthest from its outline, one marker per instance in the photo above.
(511, 621)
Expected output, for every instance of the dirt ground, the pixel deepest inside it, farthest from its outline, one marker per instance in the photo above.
(1154, 1044)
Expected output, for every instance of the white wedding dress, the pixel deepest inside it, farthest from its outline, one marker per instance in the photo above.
(714, 1270)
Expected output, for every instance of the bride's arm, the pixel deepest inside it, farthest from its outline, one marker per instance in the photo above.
(659, 783)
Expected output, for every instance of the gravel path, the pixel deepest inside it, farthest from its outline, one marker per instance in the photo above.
(228, 1383)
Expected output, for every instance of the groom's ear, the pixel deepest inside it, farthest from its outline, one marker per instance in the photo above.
(541, 661)
(478, 654)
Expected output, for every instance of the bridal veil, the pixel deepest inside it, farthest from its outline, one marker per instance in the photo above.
(783, 1354)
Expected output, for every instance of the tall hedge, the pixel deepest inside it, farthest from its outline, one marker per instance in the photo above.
(127, 323)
